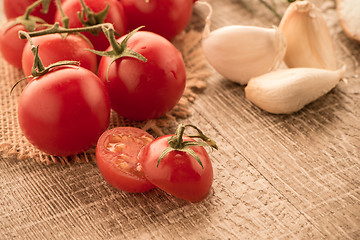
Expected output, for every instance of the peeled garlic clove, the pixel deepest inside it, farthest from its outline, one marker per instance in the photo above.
(349, 15)
(239, 53)
(308, 37)
(289, 90)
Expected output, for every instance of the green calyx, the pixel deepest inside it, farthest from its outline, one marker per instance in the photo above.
(119, 50)
(38, 69)
(89, 18)
(27, 20)
(176, 143)
(45, 7)
(64, 19)
(30, 23)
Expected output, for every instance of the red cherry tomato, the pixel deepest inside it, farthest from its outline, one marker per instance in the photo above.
(165, 17)
(178, 173)
(11, 46)
(64, 111)
(54, 48)
(116, 158)
(143, 90)
(115, 16)
(16, 8)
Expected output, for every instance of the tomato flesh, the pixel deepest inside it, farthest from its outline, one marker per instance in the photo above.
(178, 173)
(116, 157)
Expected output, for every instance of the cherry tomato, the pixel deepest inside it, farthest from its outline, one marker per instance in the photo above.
(116, 158)
(143, 90)
(54, 48)
(165, 17)
(16, 8)
(65, 111)
(178, 173)
(11, 46)
(115, 16)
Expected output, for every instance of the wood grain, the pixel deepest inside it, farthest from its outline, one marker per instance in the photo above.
(276, 176)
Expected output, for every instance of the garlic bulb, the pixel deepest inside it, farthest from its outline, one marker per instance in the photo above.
(239, 53)
(289, 90)
(309, 43)
(349, 15)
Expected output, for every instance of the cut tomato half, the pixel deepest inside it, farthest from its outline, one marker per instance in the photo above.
(116, 158)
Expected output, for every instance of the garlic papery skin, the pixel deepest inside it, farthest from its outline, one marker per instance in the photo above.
(309, 43)
(289, 90)
(239, 53)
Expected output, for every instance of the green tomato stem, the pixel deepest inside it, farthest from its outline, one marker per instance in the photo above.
(57, 29)
(176, 143)
(119, 50)
(31, 7)
(91, 17)
(38, 68)
(64, 19)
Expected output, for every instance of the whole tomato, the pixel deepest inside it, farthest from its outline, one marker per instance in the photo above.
(11, 46)
(54, 48)
(169, 162)
(65, 111)
(16, 8)
(116, 158)
(165, 17)
(115, 16)
(144, 90)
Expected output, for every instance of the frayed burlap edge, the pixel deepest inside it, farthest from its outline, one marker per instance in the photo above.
(13, 144)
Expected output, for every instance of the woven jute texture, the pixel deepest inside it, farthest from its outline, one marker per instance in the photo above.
(14, 144)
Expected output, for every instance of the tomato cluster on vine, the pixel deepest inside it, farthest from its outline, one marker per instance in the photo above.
(164, 17)
(143, 76)
(81, 59)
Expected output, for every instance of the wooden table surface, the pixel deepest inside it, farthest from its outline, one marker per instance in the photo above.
(275, 176)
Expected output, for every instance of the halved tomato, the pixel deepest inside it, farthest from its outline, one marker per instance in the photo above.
(116, 158)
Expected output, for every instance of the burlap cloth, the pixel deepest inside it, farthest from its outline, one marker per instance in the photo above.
(14, 144)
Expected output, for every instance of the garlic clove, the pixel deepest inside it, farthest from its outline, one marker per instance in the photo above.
(289, 90)
(309, 43)
(239, 53)
(349, 15)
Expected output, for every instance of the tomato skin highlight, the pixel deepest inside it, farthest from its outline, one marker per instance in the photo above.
(145, 90)
(164, 17)
(178, 173)
(116, 158)
(65, 111)
(54, 48)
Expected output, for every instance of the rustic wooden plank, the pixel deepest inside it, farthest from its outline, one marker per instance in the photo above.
(58, 201)
(311, 157)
